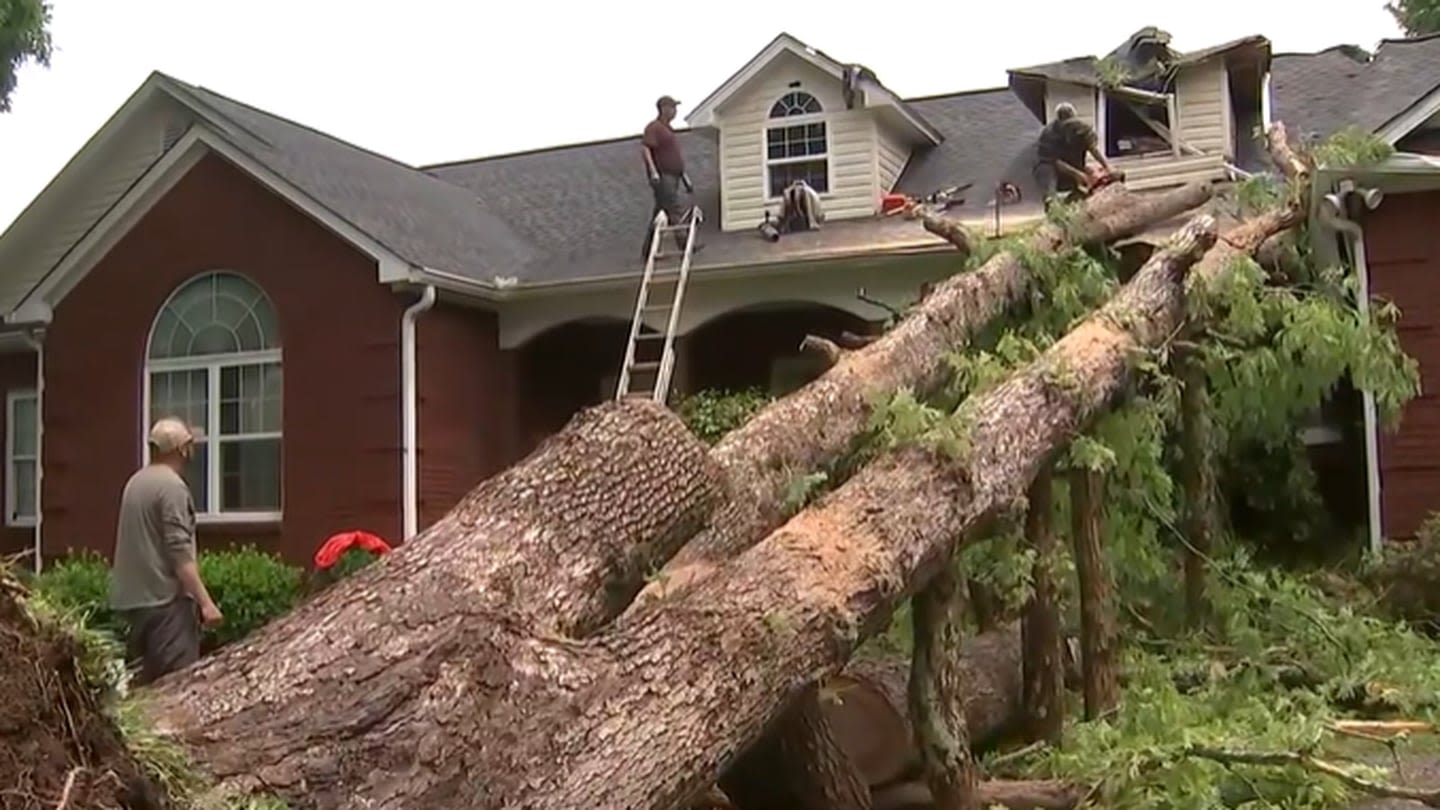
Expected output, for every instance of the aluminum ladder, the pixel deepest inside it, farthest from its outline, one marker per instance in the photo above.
(650, 377)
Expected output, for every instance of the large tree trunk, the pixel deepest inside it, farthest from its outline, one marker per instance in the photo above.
(1197, 481)
(1100, 676)
(815, 426)
(1044, 673)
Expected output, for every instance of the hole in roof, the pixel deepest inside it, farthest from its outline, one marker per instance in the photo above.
(795, 83)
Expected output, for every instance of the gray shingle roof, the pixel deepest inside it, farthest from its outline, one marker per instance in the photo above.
(1319, 93)
(579, 212)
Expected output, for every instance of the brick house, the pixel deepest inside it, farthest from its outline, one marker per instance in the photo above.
(431, 324)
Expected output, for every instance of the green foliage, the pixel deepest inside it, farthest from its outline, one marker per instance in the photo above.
(710, 414)
(80, 584)
(24, 37)
(1416, 17)
(251, 587)
(1408, 578)
(1351, 147)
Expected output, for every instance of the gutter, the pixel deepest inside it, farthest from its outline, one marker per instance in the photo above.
(34, 337)
(409, 415)
(1333, 214)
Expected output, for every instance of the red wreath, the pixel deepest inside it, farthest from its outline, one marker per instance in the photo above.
(335, 547)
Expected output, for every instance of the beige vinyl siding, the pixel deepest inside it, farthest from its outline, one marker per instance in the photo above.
(70, 215)
(892, 155)
(1080, 96)
(851, 150)
(1200, 97)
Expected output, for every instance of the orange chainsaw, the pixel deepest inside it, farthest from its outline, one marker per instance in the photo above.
(1100, 178)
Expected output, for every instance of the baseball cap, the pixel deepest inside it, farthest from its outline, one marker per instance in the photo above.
(667, 100)
(170, 434)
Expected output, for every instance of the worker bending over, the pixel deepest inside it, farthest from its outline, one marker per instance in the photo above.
(1061, 155)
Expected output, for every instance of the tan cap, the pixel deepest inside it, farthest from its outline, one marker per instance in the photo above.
(171, 434)
(667, 101)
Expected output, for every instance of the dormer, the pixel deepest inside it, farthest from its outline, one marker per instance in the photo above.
(793, 112)
(1163, 117)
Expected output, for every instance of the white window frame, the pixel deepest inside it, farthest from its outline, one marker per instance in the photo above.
(1102, 109)
(12, 399)
(213, 366)
(798, 120)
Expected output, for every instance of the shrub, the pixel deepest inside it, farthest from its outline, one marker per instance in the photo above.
(710, 414)
(251, 587)
(80, 584)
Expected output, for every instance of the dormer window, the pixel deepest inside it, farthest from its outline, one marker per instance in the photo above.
(797, 145)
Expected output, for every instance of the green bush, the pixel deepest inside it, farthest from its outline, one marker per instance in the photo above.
(710, 414)
(80, 584)
(251, 587)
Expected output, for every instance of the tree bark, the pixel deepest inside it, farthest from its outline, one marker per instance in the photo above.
(815, 426)
(1100, 671)
(985, 604)
(1197, 481)
(937, 693)
(802, 765)
(1044, 674)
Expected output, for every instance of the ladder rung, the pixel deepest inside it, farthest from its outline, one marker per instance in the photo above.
(650, 336)
(658, 307)
(649, 365)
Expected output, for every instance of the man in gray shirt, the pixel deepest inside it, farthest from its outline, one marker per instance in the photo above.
(154, 582)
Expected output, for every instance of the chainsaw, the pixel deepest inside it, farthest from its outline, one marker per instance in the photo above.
(1100, 178)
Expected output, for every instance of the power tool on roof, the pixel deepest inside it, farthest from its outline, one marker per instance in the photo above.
(1099, 178)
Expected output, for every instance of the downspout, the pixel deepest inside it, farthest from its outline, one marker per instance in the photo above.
(409, 415)
(1353, 234)
(34, 337)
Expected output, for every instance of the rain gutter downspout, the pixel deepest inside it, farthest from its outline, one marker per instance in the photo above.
(1354, 236)
(409, 414)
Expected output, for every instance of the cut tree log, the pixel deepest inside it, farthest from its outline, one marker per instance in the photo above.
(1044, 675)
(814, 426)
(410, 687)
(937, 693)
(1100, 671)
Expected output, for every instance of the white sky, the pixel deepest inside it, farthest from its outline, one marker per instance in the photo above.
(432, 80)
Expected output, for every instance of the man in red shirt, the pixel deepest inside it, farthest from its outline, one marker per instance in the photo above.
(666, 168)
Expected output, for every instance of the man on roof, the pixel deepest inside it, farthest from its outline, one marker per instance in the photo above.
(1063, 145)
(666, 167)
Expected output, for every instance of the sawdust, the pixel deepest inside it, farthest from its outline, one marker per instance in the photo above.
(58, 750)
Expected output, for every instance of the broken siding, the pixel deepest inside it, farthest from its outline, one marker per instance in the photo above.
(1200, 99)
(891, 155)
(851, 147)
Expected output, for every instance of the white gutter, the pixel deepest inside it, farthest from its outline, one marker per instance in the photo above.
(35, 339)
(409, 416)
(1332, 214)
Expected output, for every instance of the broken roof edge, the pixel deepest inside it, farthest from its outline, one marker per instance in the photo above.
(1082, 70)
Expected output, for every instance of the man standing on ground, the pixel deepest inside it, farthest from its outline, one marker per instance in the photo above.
(155, 583)
(1063, 145)
(666, 167)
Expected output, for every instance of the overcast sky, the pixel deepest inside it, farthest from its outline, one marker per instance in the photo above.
(433, 80)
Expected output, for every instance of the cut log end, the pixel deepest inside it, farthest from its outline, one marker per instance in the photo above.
(951, 230)
(825, 348)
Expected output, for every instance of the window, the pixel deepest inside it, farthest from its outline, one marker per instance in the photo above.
(1127, 132)
(214, 361)
(798, 149)
(22, 457)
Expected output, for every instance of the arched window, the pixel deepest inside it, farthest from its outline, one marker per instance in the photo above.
(214, 361)
(797, 145)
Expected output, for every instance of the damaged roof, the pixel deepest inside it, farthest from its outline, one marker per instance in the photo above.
(1135, 56)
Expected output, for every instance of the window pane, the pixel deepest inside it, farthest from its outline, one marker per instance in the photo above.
(215, 313)
(816, 173)
(199, 480)
(22, 427)
(250, 475)
(24, 473)
(182, 394)
(250, 399)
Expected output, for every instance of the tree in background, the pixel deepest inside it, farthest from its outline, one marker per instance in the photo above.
(24, 37)
(1417, 17)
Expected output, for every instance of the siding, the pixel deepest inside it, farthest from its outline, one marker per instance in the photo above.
(1083, 98)
(854, 183)
(892, 154)
(340, 334)
(467, 429)
(1404, 267)
(1200, 95)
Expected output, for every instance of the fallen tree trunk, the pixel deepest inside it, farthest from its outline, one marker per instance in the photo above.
(815, 426)
(408, 686)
